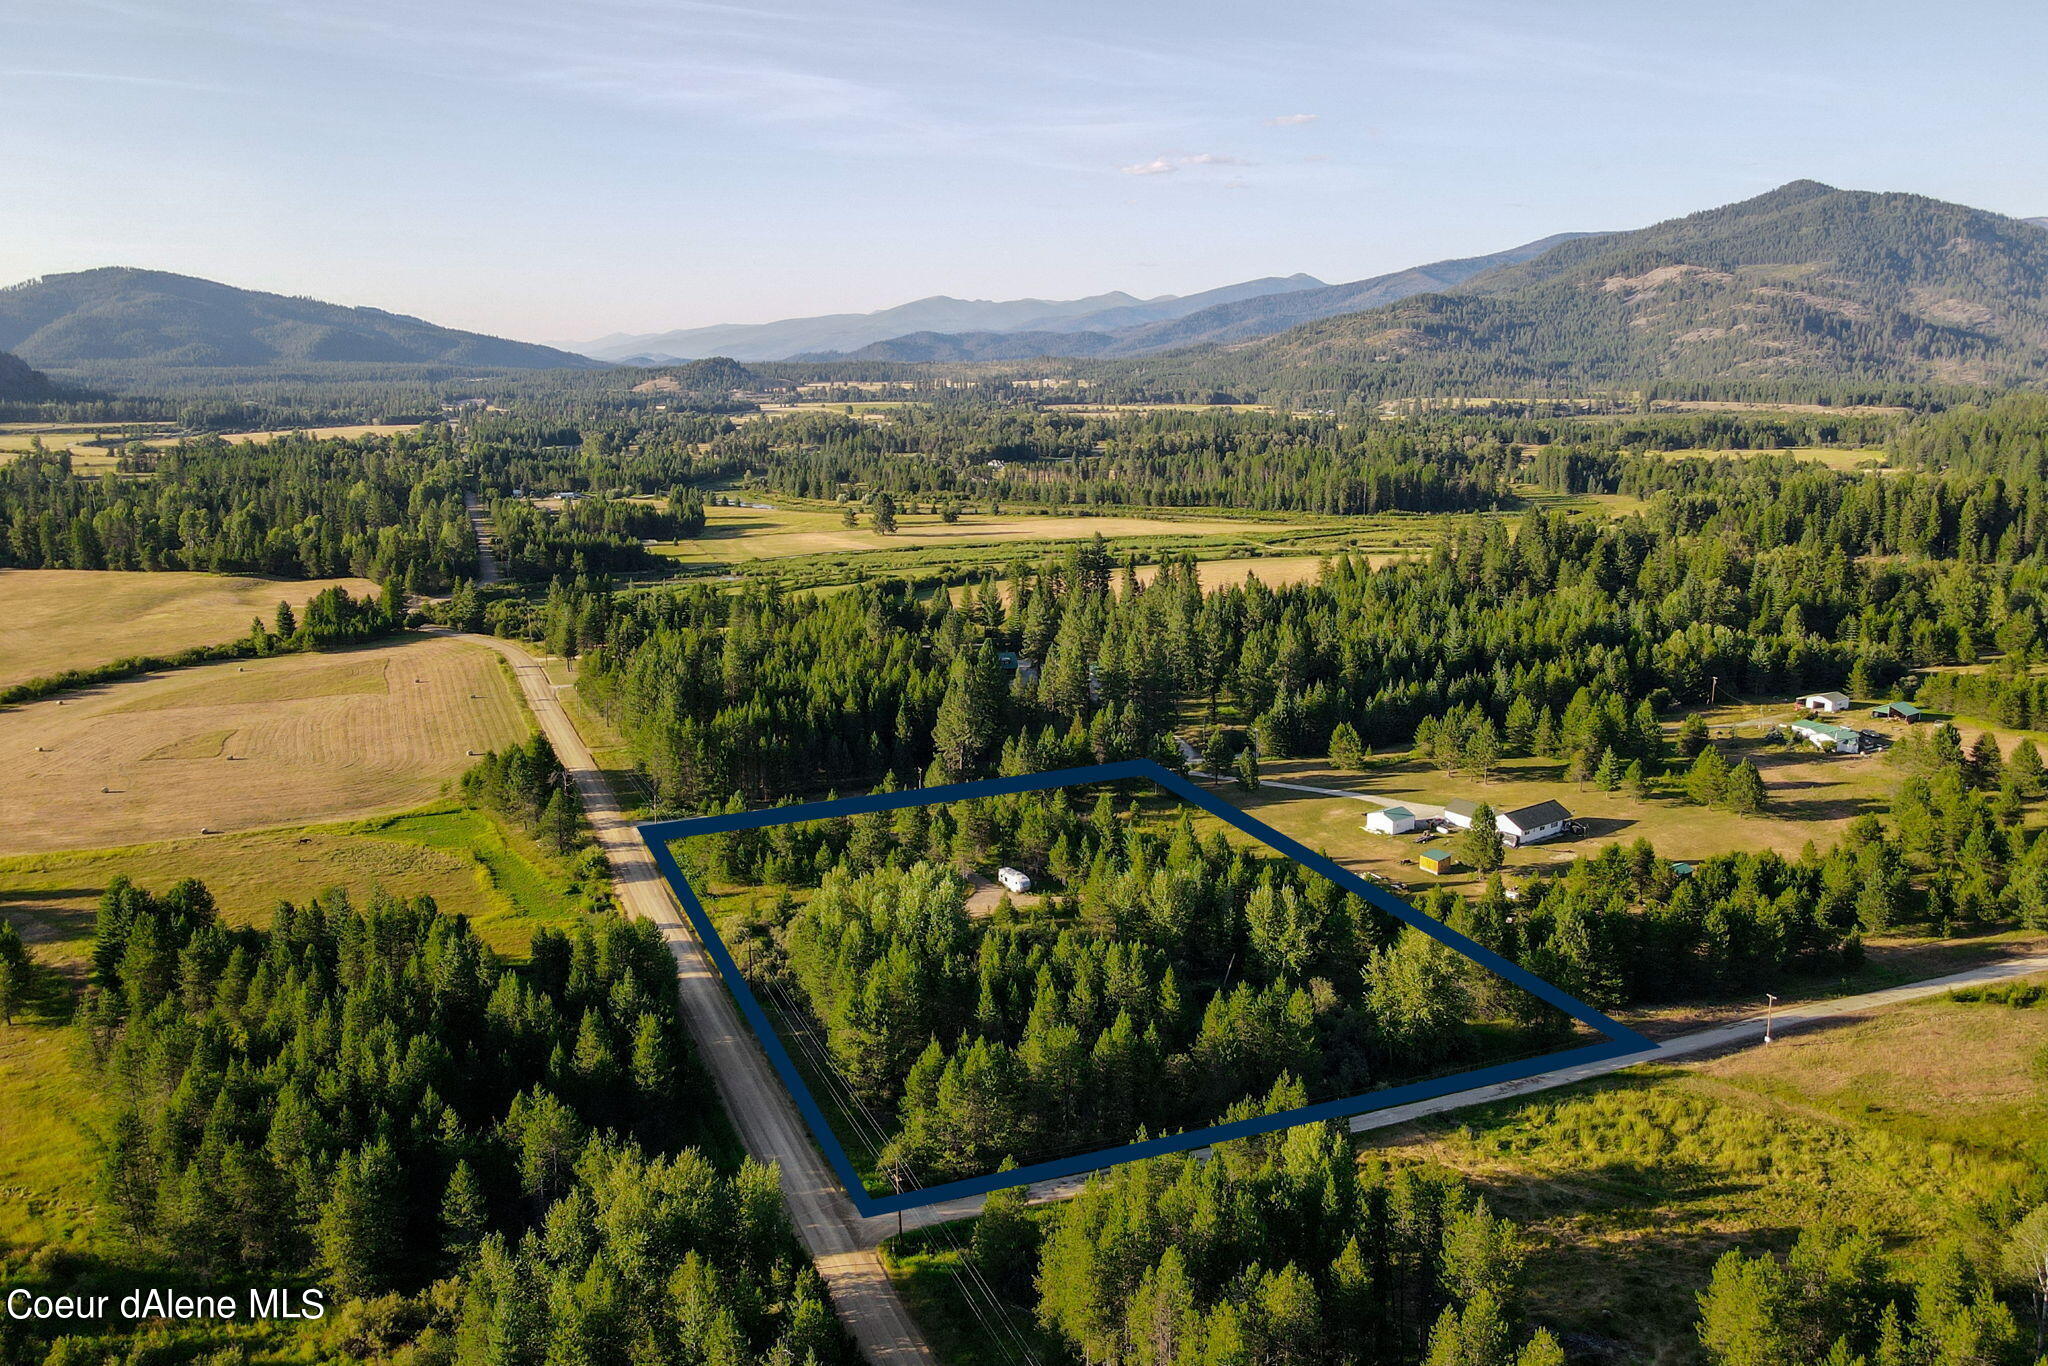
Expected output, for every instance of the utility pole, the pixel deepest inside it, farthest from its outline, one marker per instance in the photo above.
(1713, 688)
(1770, 1004)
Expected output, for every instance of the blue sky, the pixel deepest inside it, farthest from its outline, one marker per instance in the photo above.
(556, 170)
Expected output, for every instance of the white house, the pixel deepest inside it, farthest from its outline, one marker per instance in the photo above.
(1533, 824)
(1014, 879)
(1392, 820)
(1829, 739)
(1825, 702)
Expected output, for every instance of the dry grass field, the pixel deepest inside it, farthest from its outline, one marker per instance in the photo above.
(307, 737)
(1906, 1123)
(760, 533)
(342, 433)
(60, 619)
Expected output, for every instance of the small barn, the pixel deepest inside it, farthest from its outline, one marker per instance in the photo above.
(1014, 879)
(1898, 711)
(1459, 813)
(1825, 702)
(1829, 739)
(1392, 820)
(1533, 824)
(1437, 859)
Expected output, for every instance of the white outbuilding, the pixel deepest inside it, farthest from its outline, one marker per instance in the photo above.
(1392, 820)
(1825, 702)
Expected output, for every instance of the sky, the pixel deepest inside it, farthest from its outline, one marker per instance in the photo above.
(557, 170)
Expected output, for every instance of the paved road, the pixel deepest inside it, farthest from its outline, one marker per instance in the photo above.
(1737, 1034)
(841, 1242)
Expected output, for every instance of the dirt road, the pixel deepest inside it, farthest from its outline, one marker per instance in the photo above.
(839, 1239)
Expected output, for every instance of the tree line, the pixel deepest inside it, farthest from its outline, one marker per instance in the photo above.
(482, 1162)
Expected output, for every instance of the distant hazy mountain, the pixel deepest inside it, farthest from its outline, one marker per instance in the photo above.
(18, 381)
(136, 319)
(835, 333)
(1805, 282)
(2037, 222)
(1222, 321)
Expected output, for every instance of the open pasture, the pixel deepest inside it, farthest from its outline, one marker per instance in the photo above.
(1905, 1123)
(60, 619)
(230, 746)
(740, 534)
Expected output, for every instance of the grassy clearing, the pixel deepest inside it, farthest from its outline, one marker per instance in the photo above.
(60, 619)
(348, 734)
(736, 534)
(1812, 798)
(1908, 1123)
(471, 863)
(1845, 458)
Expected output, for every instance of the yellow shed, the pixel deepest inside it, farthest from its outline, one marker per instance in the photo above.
(1437, 859)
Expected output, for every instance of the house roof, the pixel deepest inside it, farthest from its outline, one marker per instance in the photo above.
(1438, 853)
(1901, 708)
(1824, 730)
(1397, 812)
(1460, 806)
(1538, 814)
(1841, 697)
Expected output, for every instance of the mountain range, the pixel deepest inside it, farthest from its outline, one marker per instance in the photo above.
(135, 320)
(835, 334)
(1806, 282)
(1228, 320)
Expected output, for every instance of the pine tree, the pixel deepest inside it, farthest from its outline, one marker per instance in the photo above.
(2024, 770)
(361, 1230)
(1247, 769)
(1607, 776)
(1346, 752)
(16, 969)
(1706, 782)
(1744, 789)
(885, 514)
(1480, 844)
(1692, 735)
(465, 1216)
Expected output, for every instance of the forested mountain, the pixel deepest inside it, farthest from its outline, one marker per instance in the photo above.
(835, 333)
(1225, 321)
(19, 381)
(122, 318)
(1806, 282)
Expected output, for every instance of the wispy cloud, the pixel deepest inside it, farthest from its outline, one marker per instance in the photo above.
(1156, 166)
(1291, 120)
(1213, 159)
(114, 78)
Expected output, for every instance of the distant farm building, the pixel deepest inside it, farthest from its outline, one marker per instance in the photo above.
(1393, 820)
(1437, 859)
(1533, 824)
(1014, 879)
(1898, 711)
(1825, 702)
(1459, 813)
(1829, 739)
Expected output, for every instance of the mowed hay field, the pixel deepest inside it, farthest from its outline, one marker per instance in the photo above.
(272, 742)
(58, 619)
(763, 533)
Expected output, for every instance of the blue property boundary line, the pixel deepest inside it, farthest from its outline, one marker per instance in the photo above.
(1621, 1041)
